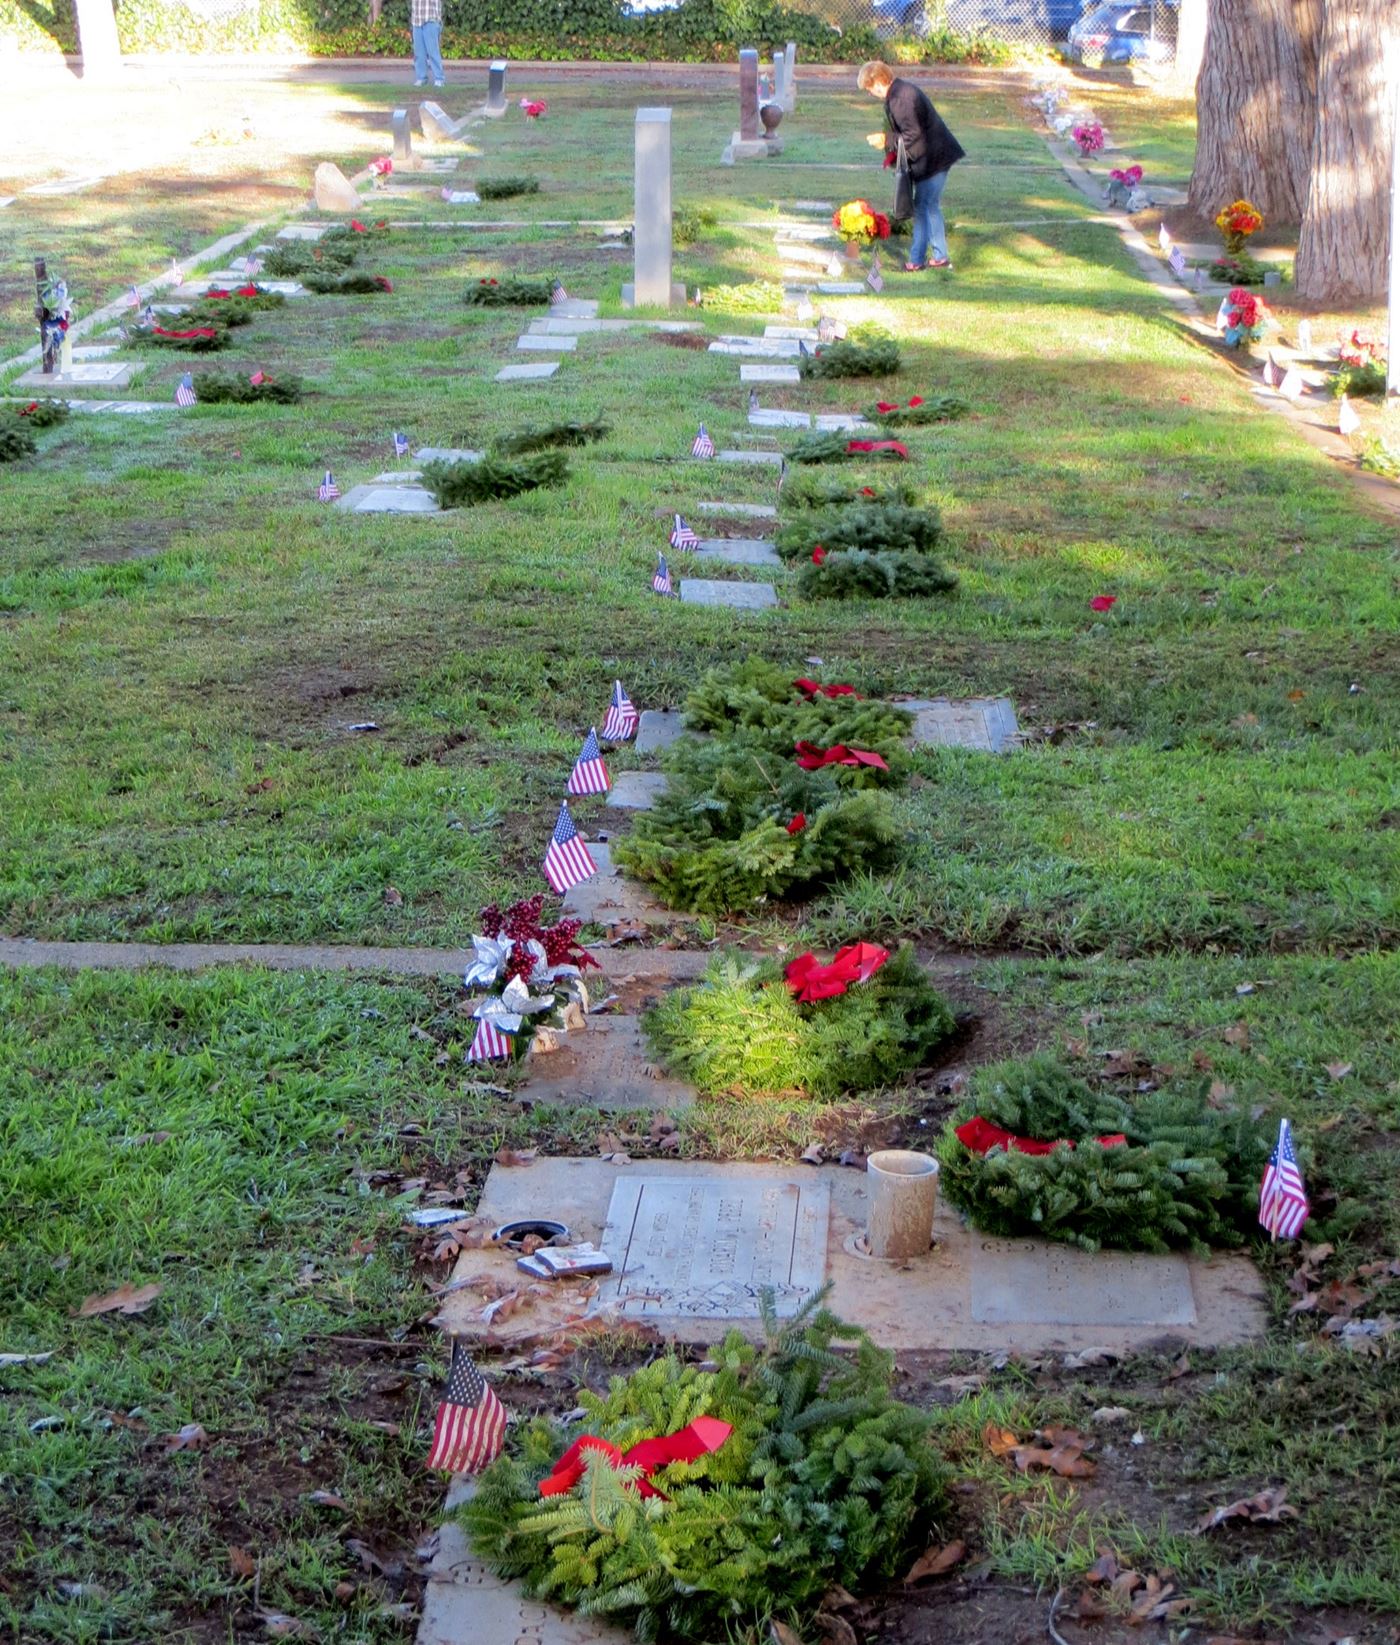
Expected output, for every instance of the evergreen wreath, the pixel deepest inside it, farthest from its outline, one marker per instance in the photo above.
(852, 359)
(764, 704)
(855, 574)
(1185, 1175)
(464, 484)
(736, 827)
(834, 446)
(809, 491)
(825, 1479)
(211, 336)
(229, 312)
(292, 260)
(339, 234)
(879, 527)
(352, 282)
(506, 188)
(741, 1030)
(931, 408)
(551, 435)
(38, 414)
(16, 441)
(748, 297)
(237, 388)
(510, 291)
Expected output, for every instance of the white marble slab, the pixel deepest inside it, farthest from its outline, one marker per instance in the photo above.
(750, 373)
(549, 345)
(534, 371)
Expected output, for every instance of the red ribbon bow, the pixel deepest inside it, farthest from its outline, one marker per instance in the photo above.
(356, 226)
(896, 447)
(258, 379)
(250, 290)
(886, 405)
(916, 400)
(812, 758)
(1103, 602)
(217, 292)
(685, 1445)
(812, 688)
(819, 555)
(197, 331)
(382, 283)
(981, 1136)
(798, 823)
(32, 406)
(810, 980)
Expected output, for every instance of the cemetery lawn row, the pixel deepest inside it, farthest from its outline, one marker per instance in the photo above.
(253, 1143)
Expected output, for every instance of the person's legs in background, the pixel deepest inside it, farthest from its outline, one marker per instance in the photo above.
(928, 214)
(432, 49)
(420, 55)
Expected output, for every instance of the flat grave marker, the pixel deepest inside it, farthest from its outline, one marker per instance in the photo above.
(738, 596)
(302, 231)
(738, 551)
(987, 724)
(606, 1066)
(531, 372)
(840, 288)
(780, 419)
(559, 344)
(658, 728)
(446, 454)
(636, 790)
(771, 458)
(388, 499)
(748, 511)
(85, 374)
(753, 373)
(610, 898)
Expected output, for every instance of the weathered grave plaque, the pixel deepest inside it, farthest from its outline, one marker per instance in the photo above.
(739, 551)
(606, 1064)
(1027, 1282)
(840, 288)
(446, 454)
(382, 499)
(528, 372)
(302, 231)
(984, 723)
(636, 790)
(610, 898)
(780, 419)
(794, 334)
(403, 140)
(658, 728)
(753, 372)
(775, 458)
(561, 343)
(98, 373)
(847, 422)
(741, 596)
(496, 89)
(707, 1248)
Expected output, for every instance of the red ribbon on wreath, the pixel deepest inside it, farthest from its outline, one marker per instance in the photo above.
(812, 688)
(810, 980)
(812, 758)
(687, 1444)
(981, 1136)
(894, 448)
(197, 331)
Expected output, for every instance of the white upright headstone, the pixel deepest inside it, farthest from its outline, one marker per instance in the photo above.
(403, 141)
(496, 89)
(651, 237)
(780, 79)
(790, 78)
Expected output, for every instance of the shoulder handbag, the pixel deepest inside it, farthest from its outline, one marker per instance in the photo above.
(903, 187)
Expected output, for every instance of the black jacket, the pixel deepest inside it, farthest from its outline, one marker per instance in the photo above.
(928, 144)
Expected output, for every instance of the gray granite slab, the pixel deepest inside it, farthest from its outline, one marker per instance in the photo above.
(609, 897)
(65, 185)
(302, 231)
(575, 308)
(658, 728)
(748, 511)
(532, 371)
(1030, 1282)
(84, 374)
(769, 374)
(840, 288)
(387, 499)
(827, 206)
(758, 348)
(738, 551)
(399, 477)
(795, 334)
(93, 351)
(636, 790)
(605, 1065)
(774, 458)
(848, 421)
(780, 419)
(546, 344)
(739, 596)
(118, 408)
(987, 724)
(446, 454)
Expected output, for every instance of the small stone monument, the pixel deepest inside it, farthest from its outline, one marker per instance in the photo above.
(496, 89)
(780, 79)
(438, 125)
(333, 189)
(749, 143)
(404, 157)
(652, 285)
(790, 78)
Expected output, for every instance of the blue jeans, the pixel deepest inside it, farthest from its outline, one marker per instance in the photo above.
(427, 52)
(930, 235)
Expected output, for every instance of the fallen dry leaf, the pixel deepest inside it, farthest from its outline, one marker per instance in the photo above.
(393, 897)
(190, 1438)
(1104, 1568)
(813, 1155)
(625, 932)
(516, 1156)
(501, 1308)
(241, 1562)
(1068, 1461)
(780, 1634)
(1339, 1070)
(935, 1562)
(1237, 1034)
(281, 1626)
(835, 1629)
(1125, 1583)
(126, 1299)
(365, 1554)
(328, 1499)
(1266, 1507)
(662, 1125)
(1000, 1442)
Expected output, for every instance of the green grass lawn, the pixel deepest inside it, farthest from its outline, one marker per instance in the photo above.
(186, 637)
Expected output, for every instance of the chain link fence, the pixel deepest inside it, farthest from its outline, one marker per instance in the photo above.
(1094, 32)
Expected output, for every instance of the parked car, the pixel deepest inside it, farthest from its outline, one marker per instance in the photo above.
(1123, 33)
(1007, 19)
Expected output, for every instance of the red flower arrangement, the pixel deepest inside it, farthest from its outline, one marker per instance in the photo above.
(1359, 350)
(1103, 602)
(858, 223)
(533, 110)
(818, 555)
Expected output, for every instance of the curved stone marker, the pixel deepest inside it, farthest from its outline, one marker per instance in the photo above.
(333, 189)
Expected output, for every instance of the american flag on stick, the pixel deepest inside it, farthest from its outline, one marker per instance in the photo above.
(1164, 240)
(471, 1422)
(702, 445)
(133, 298)
(557, 294)
(400, 444)
(567, 862)
(328, 490)
(1270, 371)
(590, 775)
(661, 577)
(1176, 262)
(488, 1043)
(622, 718)
(875, 280)
(682, 537)
(184, 392)
(1283, 1200)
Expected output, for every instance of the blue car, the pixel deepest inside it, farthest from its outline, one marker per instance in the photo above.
(1123, 33)
(1010, 19)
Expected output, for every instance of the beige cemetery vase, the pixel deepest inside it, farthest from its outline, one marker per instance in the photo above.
(903, 1194)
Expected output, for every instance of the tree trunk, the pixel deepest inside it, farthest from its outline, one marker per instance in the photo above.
(1344, 245)
(1256, 105)
(1190, 47)
(97, 39)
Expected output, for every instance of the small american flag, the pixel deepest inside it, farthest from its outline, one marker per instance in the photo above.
(661, 577)
(148, 316)
(488, 1043)
(1292, 387)
(1283, 1200)
(702, 445)
(1270, 371)
(826, 329)
(622, 718)
(1347, 420)
(184, 391)
(1305, 336)
(252, 266)
(1176, 262)
(133, 298)
(471, 1422)
(400, 445)
(328, 490)
(753, 401)
(567, 862)
(682, 537)
(875, 280)
(1164, 240)
(557, 294)
(590, 775)
(1222, 314)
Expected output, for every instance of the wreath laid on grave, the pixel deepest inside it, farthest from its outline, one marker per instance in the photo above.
(918, 410)
(250, 295)
(510, 291)
(1238, 270)
(803, 1472)
(182, 338)
(352, 282)
(1034, 1150)
(834, 446)
(855, 574)
(775, 712)
(39, 414)
(751, 1028)
(876, 527)
(526, 974)
(551, 435)
(355, 232)
(506, 188)
(879, 358)
(292, 260)
(748, 297)
(464, 484)
(808, 491)
(738, 826)
(16, 440)
(238, 388)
